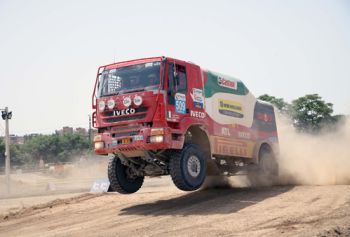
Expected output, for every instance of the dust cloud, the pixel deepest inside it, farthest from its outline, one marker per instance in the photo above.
(322, 159)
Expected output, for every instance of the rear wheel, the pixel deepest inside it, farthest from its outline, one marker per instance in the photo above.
(188, 168)
(268, 165)
(266, 172)
(122, 179)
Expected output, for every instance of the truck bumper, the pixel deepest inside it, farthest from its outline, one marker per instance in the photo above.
(142, 140)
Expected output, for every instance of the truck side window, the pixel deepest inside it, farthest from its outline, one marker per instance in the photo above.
(177, 81)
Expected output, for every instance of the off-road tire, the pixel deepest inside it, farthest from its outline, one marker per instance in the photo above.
(181, 173)
(268, 165)
(118, 178)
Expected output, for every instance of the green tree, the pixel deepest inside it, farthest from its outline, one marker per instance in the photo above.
(53, 148)
(279, 103)
(15, 152)
(16, 155)
(310, 113)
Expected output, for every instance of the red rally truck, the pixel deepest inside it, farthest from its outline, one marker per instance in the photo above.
(159, 116)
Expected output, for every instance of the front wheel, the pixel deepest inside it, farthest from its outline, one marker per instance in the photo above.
(188, 168)
(122, 179)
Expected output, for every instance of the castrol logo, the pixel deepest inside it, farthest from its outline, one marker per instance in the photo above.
(227, 83)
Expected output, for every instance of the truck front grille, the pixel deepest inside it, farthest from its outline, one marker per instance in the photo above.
(125, 134)
(137, 110)
(126, 118)
(109, 116)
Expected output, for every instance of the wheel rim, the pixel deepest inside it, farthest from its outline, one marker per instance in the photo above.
(193, 166)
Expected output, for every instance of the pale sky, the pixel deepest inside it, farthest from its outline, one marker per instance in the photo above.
(50, 50)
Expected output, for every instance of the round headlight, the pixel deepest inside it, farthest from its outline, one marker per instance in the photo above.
(111, 104)
(137, 100)
(127, 101)
(101, 105)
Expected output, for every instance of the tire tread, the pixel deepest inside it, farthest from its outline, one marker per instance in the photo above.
(175, 168)
(115, 185)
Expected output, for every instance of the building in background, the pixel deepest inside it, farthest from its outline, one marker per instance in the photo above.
(14, 139)
(65, 130)
(82, 132)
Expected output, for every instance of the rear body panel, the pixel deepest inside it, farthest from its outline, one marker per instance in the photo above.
(238, 122)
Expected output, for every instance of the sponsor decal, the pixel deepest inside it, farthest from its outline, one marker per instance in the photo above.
(245, 135)
(180, 103)
(197, 114)
(127, 101)
(230, 108)
(152, 64)
(180, 96)
(172, 117)
(198, 105)
(197, 97)
(225, 132)
(227, 83)
(234, 147)
(123, 112)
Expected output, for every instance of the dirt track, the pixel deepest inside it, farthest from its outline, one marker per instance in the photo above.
(159, 209)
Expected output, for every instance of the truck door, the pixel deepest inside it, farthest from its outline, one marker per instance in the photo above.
(177, 96)
(195, 90)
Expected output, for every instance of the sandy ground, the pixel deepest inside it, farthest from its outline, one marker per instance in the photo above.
(159, 209)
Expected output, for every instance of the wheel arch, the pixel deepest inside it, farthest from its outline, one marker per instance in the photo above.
(198, 135)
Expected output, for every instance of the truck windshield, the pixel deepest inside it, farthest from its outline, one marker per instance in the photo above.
(132, 78)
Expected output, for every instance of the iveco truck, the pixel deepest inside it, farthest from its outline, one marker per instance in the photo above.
(164, 116)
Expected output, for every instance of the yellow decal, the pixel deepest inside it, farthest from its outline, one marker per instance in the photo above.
(230, 108)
